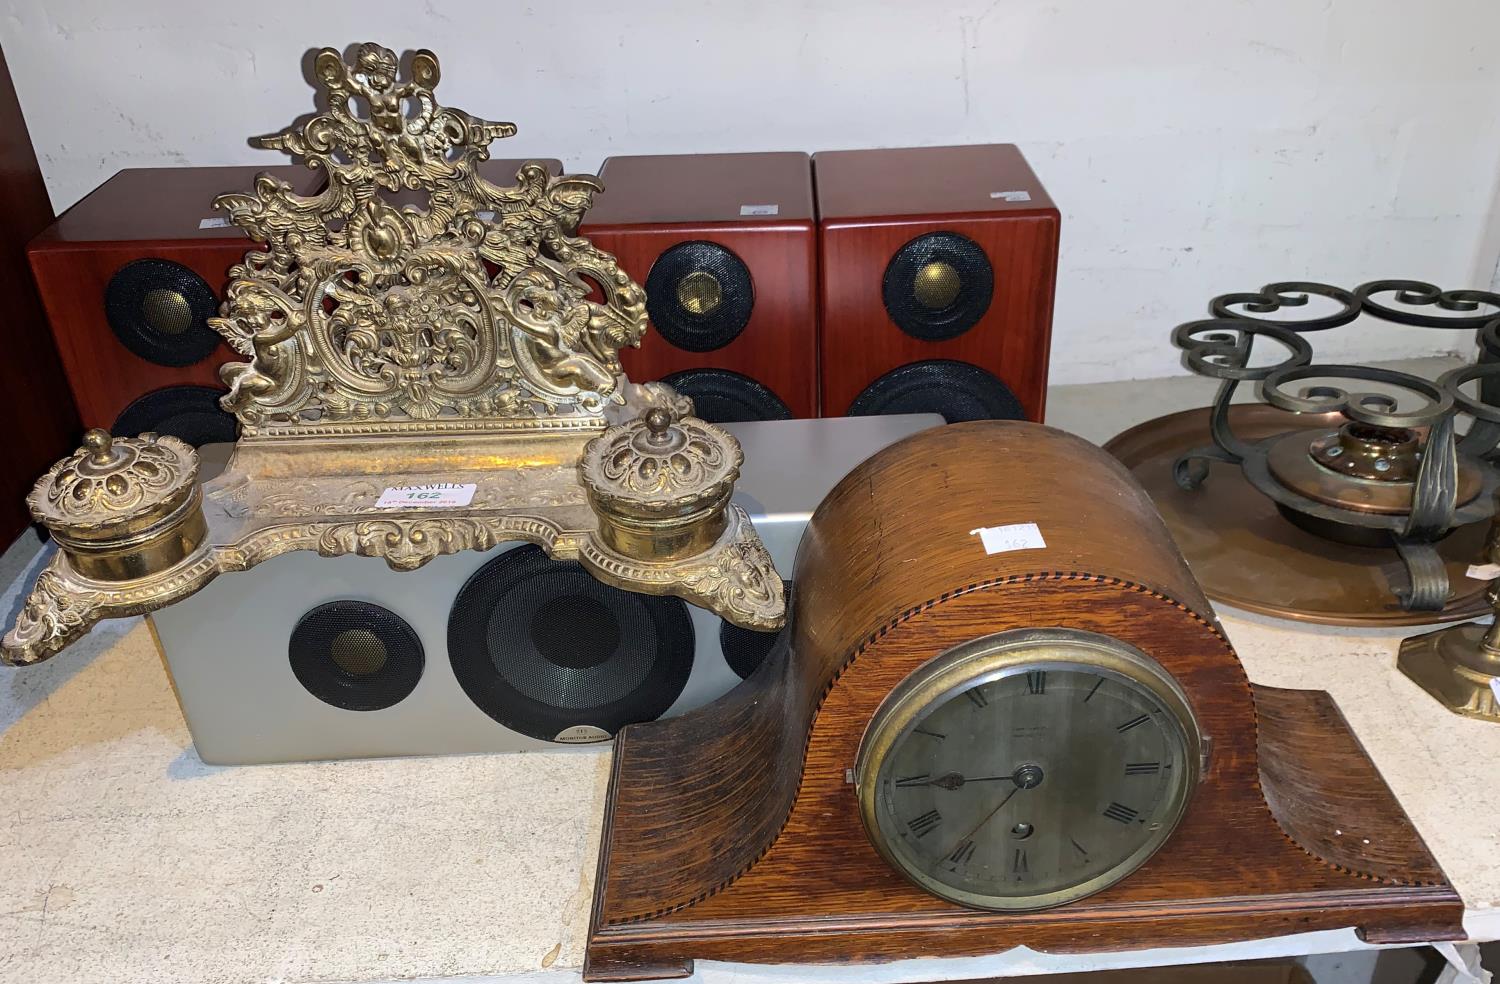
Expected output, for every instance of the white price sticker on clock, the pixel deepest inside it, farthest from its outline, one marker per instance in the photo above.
(1015, 536)
(442, 495)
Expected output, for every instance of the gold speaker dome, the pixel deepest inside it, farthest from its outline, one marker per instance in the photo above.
(936, 285)
(358, 652)
(167, 311)
(699, 293)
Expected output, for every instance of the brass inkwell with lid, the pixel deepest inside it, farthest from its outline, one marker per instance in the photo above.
(418, 380)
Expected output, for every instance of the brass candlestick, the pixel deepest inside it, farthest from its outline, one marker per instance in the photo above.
(1460, 665)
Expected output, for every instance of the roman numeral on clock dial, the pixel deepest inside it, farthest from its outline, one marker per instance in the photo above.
(1142, 768)
(962, 853)
(1036, 682)
(1124, 814)
(925, 824)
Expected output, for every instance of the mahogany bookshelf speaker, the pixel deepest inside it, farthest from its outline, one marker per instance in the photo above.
(128, 277)
(938, 271)
(726, 246)
(306, 657)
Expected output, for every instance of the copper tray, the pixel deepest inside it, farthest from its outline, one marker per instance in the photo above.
(1247, 555)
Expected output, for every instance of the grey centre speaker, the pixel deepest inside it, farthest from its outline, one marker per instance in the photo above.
(307, 657)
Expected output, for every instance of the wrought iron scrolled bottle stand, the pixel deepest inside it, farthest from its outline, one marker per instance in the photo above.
(1348, 464)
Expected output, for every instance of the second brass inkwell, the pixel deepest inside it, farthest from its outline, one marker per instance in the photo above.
(467, 349)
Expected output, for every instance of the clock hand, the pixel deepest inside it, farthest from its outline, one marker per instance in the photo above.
(987, 818)
(1025, 777)
(955, 780)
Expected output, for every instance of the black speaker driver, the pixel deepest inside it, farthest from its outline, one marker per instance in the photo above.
(938, 286)
(699, 296)
(160, 310)
(723, 397)
(958, 390)
(356, 655)
(745, 649)
(547, 650)
(190, 413)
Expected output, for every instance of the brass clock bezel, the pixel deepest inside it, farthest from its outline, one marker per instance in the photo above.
(994, 657)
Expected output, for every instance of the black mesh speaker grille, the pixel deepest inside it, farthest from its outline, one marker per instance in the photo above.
(938, 286)
(723, 397)
(190, 413)
(159, 310)
(958, 390)
(356, 655)
(699, 296)
(541, 646)
(746, 649)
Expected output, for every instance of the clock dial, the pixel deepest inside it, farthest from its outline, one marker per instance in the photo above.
(1027, 769)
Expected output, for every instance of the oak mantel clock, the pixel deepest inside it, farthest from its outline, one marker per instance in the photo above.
(1005, 715)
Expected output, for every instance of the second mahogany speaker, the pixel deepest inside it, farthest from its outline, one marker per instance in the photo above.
(129, 276)
(725, 245)
(938, 271)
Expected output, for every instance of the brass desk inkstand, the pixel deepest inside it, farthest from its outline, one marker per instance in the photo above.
(467, 350)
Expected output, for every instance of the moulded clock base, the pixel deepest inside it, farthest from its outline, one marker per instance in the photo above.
(1347, 855)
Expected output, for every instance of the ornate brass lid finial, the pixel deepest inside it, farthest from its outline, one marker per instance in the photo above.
(120, 508)
(659, 427)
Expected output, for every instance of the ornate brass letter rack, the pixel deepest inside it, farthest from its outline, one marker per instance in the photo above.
(471, 345)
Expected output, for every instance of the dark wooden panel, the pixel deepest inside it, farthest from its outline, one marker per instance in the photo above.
(166, 204)
(926, 181)
(733, 833)
(657, 189)
(37, 416)
(872, 203)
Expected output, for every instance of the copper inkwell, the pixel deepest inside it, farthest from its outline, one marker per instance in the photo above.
(418, 380)
(1348, 495)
